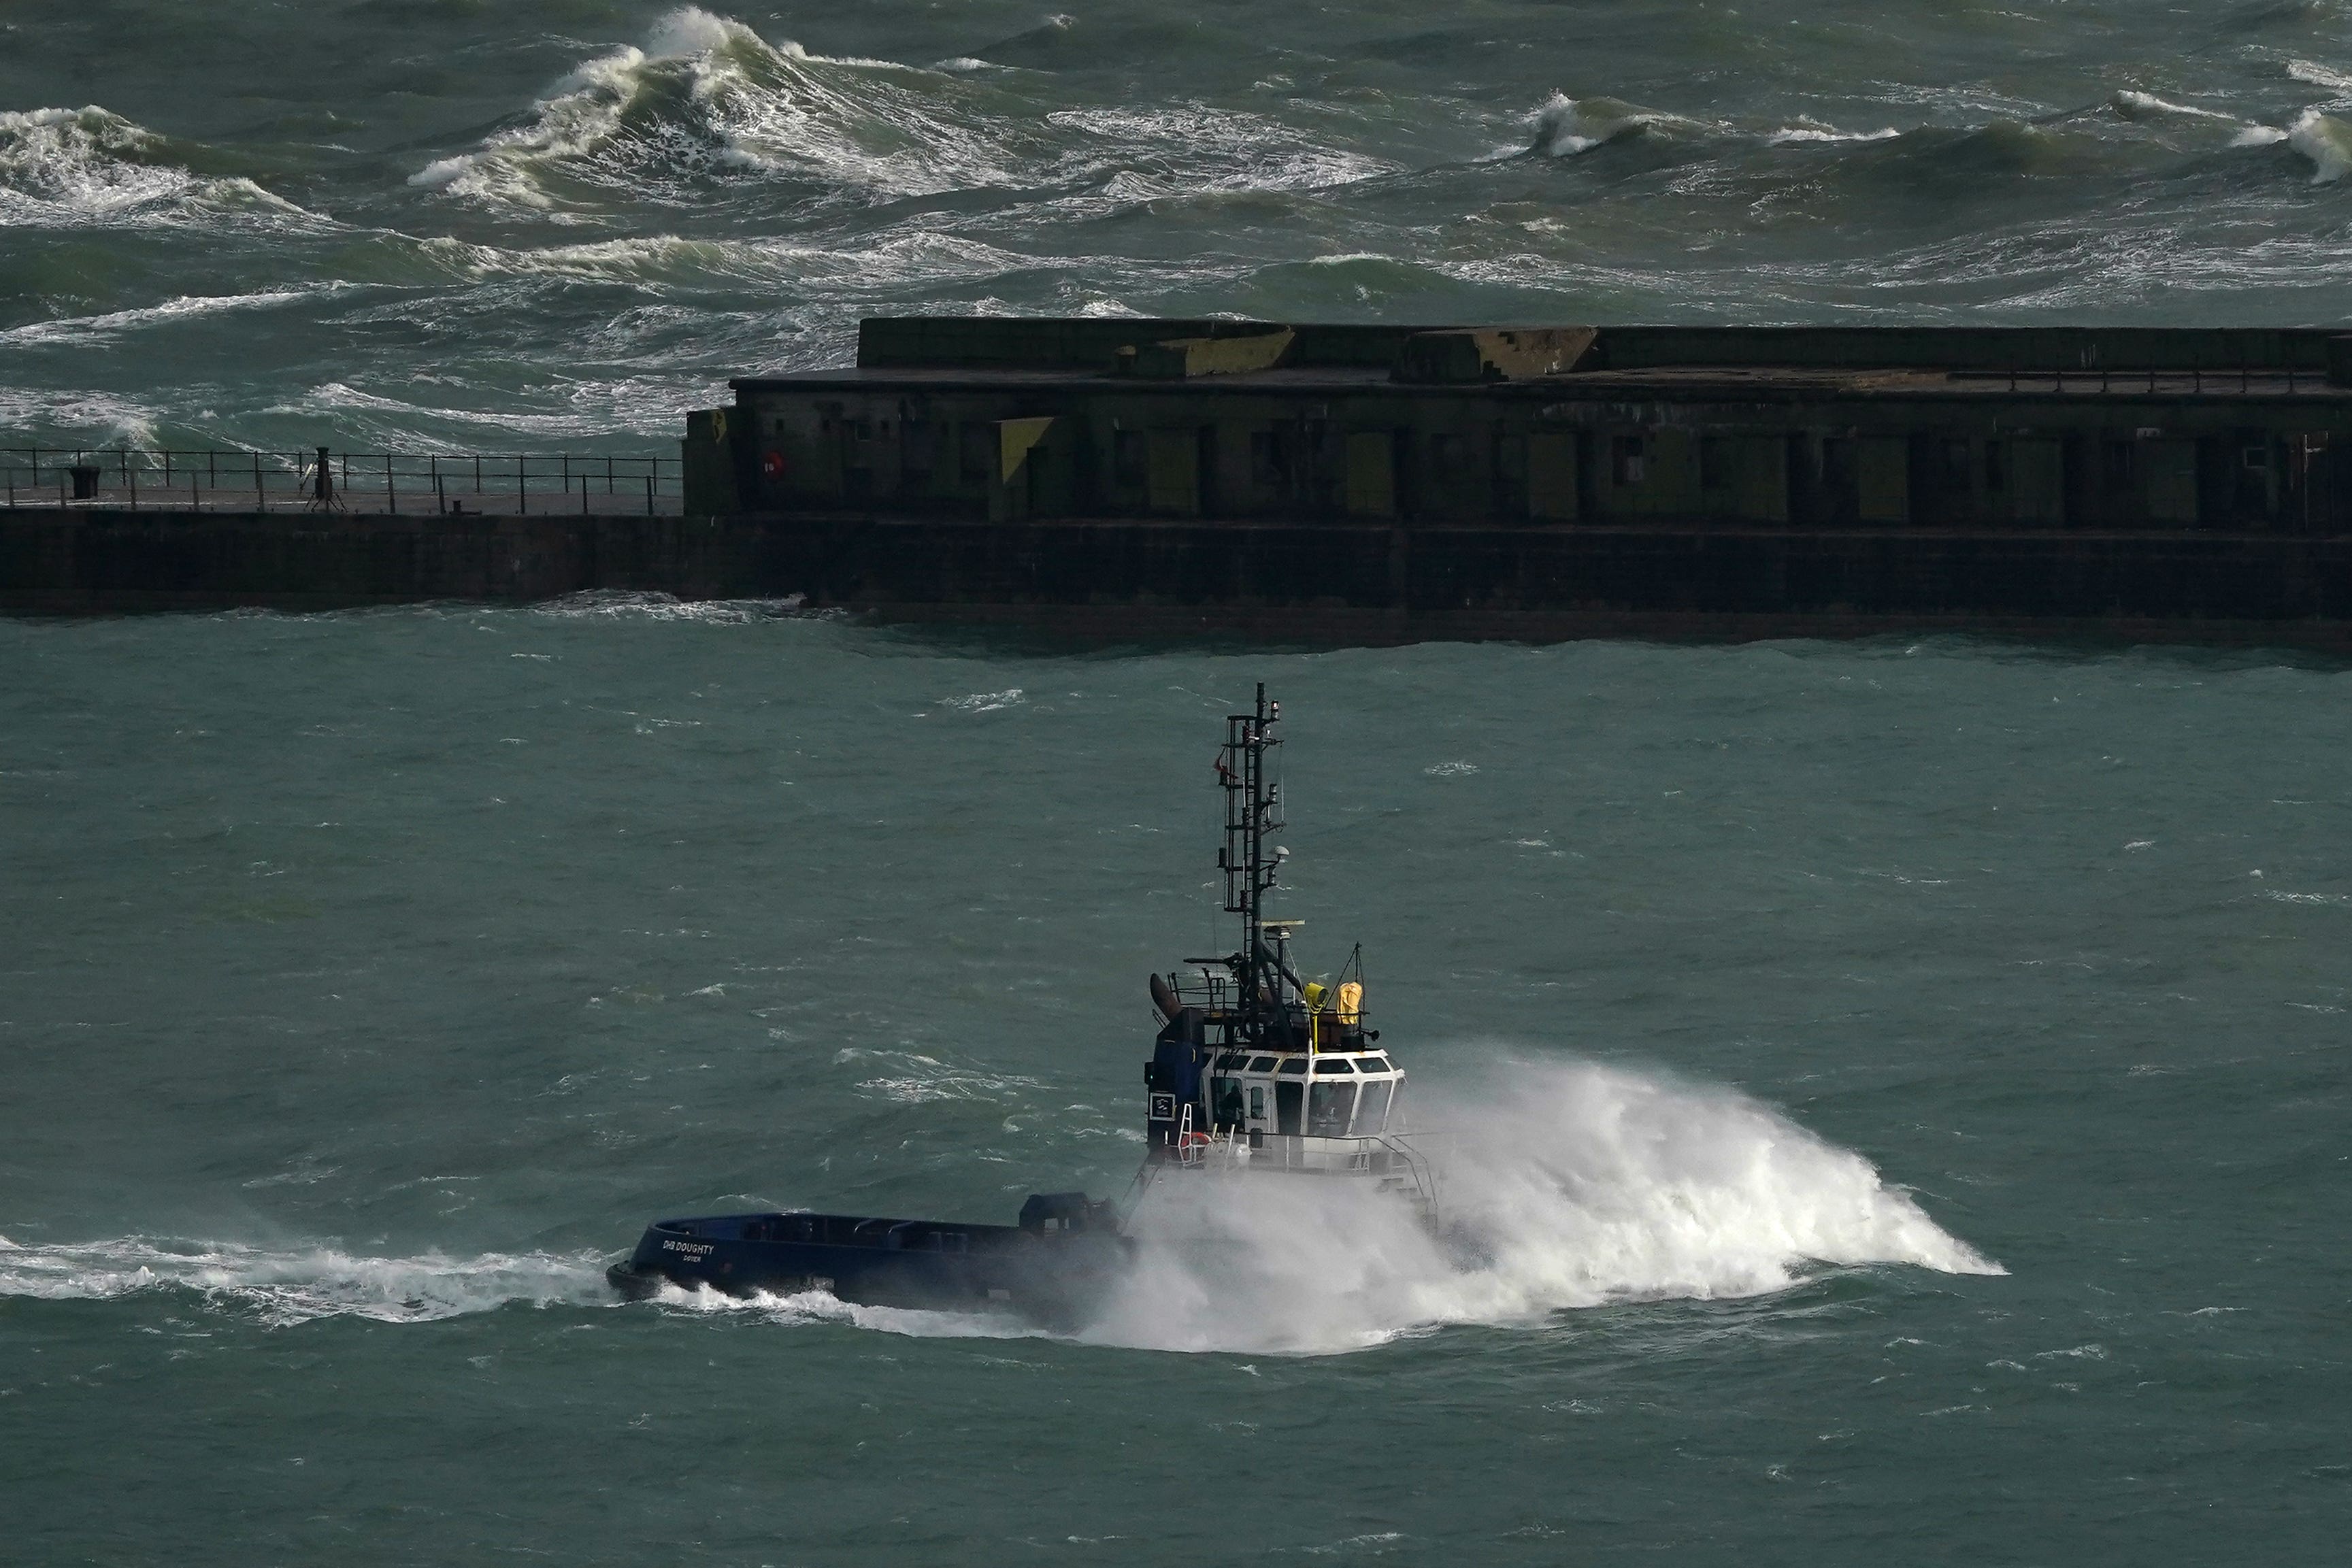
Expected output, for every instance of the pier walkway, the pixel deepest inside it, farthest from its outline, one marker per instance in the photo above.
(321, 480)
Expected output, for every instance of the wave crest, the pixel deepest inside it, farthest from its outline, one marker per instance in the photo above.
(1567, 126)
(79, 167)
(707, 96)
(2326, 141)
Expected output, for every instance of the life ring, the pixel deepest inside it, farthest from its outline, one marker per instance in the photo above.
(773, 465)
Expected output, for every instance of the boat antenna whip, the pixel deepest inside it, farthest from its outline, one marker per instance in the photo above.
(1253, 809)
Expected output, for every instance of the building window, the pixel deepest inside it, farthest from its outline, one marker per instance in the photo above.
(1625, 459)
(978, 452)
(1996, 469)
(1956, 465)
(1448, 460)
(1270, 458)
(1713, 463)
(2119, 466)
(1129, 458)
(918, 450)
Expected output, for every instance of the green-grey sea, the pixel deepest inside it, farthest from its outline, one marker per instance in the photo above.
(1890, 1096)
(1897, 1091)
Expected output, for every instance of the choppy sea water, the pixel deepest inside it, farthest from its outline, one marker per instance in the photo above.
(558, 223)
(1895, 1091)
(1897, 1088)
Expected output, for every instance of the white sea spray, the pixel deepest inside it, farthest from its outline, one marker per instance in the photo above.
(1564, 1185)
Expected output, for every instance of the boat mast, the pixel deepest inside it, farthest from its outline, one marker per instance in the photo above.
(1252, 808)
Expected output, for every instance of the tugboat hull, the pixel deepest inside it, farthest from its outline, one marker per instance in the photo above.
(1050, 1267)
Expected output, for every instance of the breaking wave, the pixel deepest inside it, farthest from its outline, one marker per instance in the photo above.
(2326, 141)
(1566, 126)
(709, 96)
(91, 167)
(707, 99)
(284, 1288)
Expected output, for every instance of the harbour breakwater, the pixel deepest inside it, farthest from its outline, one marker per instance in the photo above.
(1111, 478)
(1336, 582)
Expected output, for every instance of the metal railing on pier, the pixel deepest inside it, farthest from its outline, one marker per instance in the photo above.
(322, 480)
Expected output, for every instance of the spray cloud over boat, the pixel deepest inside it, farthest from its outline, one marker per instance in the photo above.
(1569, 1185)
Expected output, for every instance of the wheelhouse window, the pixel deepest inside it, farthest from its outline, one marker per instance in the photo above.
(1329, 1107)
(1372, 1109)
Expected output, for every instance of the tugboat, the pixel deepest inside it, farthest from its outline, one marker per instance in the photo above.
(1255, 1071)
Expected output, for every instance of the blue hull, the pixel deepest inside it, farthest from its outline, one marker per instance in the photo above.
(1043, 1270)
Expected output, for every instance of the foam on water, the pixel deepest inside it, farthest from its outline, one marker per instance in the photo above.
(286, 1287)
(1808, 130)
(105, 328)
(2133, 104)
(2317, 75)
(106, 414)
(803, 1308)
(647, 604)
